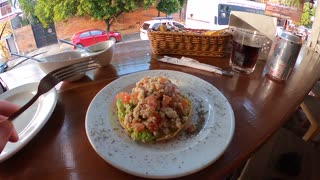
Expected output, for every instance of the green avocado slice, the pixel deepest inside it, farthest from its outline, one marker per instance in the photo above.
(121, 109)
(143, 136)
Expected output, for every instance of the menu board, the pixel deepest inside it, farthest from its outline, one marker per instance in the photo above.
(287, 9)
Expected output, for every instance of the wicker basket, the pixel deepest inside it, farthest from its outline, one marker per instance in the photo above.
(185, 43)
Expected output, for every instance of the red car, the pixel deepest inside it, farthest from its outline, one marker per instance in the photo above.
(92, 36)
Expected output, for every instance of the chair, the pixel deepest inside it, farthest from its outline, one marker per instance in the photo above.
(311, 108)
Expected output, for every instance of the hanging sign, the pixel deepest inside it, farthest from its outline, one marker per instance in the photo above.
(287, 9)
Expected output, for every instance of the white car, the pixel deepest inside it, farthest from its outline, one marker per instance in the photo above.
(154, 24)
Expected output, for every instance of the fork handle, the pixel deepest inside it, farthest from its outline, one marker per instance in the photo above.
(24, 107)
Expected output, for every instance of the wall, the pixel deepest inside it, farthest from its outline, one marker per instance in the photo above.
(24, 39)
(126, 23)
(314, 39)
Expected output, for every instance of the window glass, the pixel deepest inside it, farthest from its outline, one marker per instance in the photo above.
(225, 10)
(95, 32)
(178, 25)
(145, 26)
(156, 25)
(5, 8)
(85, 34)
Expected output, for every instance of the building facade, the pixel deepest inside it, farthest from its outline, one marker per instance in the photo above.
(9, 18)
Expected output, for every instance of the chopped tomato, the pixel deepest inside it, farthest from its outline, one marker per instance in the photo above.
(191, 128)
(153, 126)
(162, 80)
(166, 100)
(157, 116)
(151, 101)
(138, 127)
(124, 96)
(184, 102)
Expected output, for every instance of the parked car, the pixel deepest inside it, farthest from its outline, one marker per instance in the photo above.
(154, 24)
(92, 36)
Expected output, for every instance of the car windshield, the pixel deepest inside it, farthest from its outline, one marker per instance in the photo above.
(156, 25)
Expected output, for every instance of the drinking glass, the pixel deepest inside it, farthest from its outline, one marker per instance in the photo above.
(245, 51)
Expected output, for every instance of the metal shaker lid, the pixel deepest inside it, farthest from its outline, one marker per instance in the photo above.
(291, 37)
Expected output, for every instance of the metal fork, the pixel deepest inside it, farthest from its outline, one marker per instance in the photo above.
(53, 78)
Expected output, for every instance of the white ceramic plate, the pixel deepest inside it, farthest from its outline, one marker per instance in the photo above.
(180, 156)
(29, 123)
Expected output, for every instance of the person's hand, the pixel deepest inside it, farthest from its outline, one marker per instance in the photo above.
(7, 131)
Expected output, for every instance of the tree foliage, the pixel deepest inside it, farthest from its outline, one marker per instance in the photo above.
(307, 13)
(28, 7)
(170, 6)
(57, 10)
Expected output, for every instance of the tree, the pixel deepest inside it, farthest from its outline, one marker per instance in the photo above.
(307, 13)
(170, 6)
(58, 10)
(28, 8)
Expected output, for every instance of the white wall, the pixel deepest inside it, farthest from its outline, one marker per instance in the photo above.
(203, 13)
(314, 39)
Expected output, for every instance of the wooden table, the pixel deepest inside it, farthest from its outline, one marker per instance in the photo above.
(61, 150)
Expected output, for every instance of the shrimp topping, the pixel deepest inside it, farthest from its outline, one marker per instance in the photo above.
(154, 107)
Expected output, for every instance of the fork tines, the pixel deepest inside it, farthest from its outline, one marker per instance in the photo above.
(54, 77)
(74, 69)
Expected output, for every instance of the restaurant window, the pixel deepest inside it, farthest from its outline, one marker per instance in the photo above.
(5, 8)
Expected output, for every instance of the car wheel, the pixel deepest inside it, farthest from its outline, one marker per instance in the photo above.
(113, 39)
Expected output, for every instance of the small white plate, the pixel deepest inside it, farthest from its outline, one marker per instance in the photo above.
(211, 113)
(29, 123)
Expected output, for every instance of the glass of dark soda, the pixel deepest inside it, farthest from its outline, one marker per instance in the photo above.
(245, 51)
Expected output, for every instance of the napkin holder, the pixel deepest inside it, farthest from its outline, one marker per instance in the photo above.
(253, 21)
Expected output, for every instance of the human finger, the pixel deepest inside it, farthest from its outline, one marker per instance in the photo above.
(7, 108)
(7, 133)
(7, 128)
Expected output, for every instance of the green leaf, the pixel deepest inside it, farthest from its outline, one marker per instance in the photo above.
(58, 10)
(170, 6)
